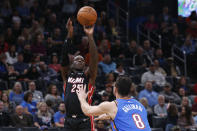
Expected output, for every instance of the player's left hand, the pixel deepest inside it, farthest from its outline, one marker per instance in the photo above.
(89, 30)
(81, 93)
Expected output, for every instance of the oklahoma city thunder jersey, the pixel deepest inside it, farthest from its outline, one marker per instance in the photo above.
(131, 116)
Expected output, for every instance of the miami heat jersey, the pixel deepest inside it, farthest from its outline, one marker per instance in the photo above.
(75, 80)
(131, 116)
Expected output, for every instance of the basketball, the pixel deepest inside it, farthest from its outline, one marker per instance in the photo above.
(87, 16)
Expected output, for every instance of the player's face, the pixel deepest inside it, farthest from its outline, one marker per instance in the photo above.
(79, 63)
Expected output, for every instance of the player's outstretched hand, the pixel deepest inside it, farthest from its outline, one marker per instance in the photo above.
(69, 27)
(81, 93)
(89, 30)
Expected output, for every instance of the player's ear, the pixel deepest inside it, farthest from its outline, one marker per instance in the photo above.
(115, 90)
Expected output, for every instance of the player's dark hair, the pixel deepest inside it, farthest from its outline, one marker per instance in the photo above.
(123, 85)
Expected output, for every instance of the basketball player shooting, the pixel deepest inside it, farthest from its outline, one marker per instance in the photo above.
(126, 113)
(75, 77)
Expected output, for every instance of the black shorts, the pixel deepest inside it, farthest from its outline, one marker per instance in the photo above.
(77, 124)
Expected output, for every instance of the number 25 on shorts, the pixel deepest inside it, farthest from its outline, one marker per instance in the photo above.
(138, 121)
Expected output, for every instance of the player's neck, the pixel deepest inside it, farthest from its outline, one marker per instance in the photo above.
(122, 97)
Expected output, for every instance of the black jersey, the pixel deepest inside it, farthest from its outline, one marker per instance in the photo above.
(75, 80)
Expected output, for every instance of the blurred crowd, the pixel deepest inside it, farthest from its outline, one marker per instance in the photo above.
(31, 38)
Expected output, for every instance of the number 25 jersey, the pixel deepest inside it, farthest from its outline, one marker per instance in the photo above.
(131, 116)
(75, 80)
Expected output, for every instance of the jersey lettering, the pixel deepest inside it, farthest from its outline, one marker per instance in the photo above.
(138, 121)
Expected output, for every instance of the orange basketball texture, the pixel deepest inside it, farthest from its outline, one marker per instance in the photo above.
(87, 16)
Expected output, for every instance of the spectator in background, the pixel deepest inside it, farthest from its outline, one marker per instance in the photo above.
(172, 116)
(158, 68)
(100, 126)
(3, 67)
(159, 56)
(119, 69)
(189, 46)
(192, 24)
(22, 9)
(83, 47)
(53, 96)
(155, 77)
(69, 7)
(185, 119)
(27, 53)
(112, 28)
(133, 92)
(194, 110)
(17, 94)
(8, 39)
(57, 41)
(16, 29)
(20, 119)
(149, 110)
(182, 83)
(149, 94)
(161, 108)
(38, 45)
(52, 22)
(131, 50)
(20, 66)
(37, 95)
(117, 50)
(148, 50)
(185, 102)
(43, 117)
(11, 55)
(104, 47)
(169, 95)
(47, 73)
(107, 64)
(6, 9)
(165, 16)
(151, 25)
(99, 28)
(141, 60)
(4, 116)
(8, 106)
(171, 69)
(12, 74)
(3, 45)
(59, 117)
(32, 73)
(28, 104)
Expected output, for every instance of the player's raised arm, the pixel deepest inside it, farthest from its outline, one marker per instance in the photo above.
(65, 58)
(93, 54)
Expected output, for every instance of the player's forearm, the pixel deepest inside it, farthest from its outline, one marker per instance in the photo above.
(93, 56)
(85, 107)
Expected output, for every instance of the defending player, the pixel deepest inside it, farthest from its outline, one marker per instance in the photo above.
(75, 76)
(126, 113)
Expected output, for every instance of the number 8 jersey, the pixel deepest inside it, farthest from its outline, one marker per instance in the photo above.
(131, 116)
(75, 80)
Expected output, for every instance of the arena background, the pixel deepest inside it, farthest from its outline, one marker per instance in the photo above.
(132, 37)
